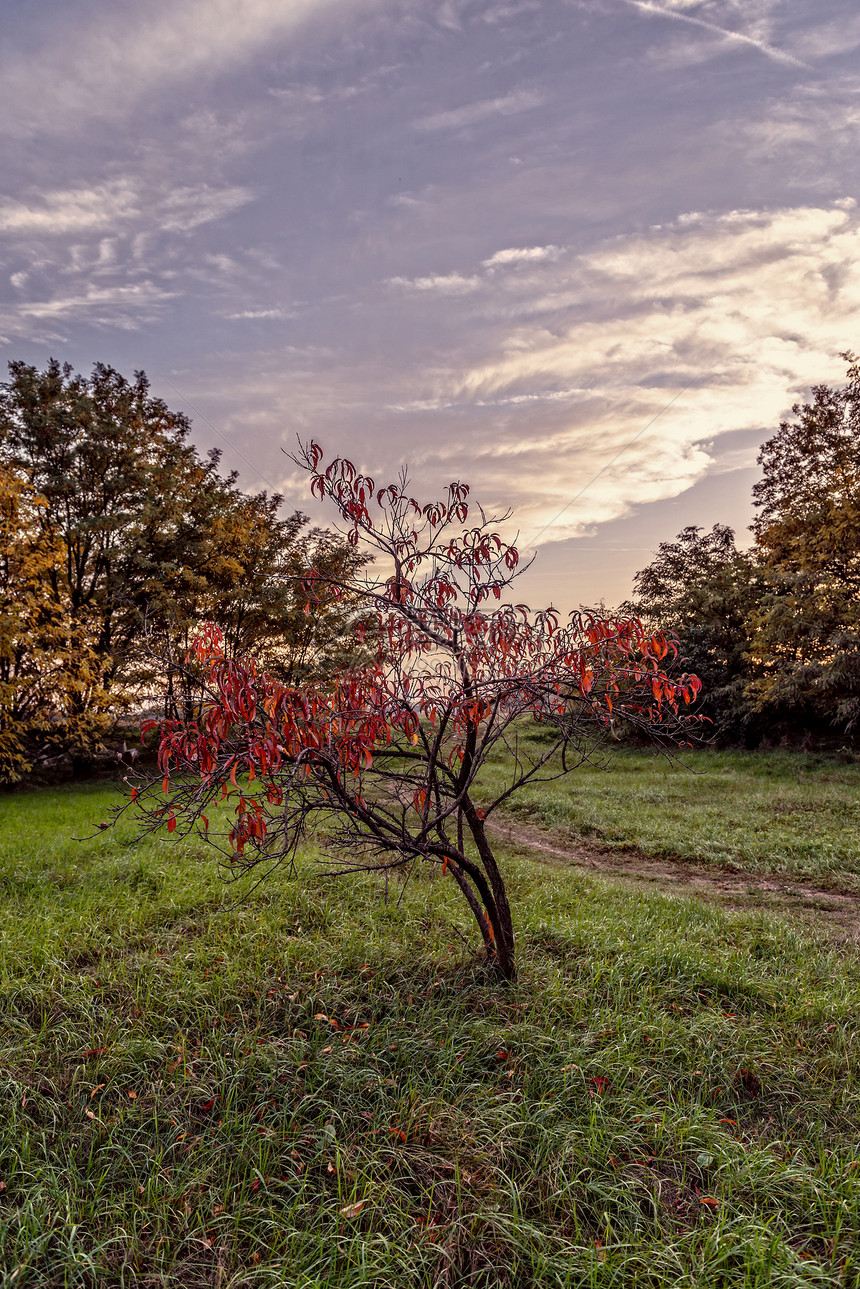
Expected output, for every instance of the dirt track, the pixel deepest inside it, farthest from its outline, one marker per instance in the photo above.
(832, 911)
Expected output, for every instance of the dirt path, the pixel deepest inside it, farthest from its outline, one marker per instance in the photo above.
(836, 913)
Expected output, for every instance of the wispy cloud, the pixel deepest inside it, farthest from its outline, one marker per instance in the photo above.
(444, 283)
(116, 305)
(826, 39)
(72, 210)
(116, 204)
(474, 113)
(105, 67)
(519, 255)
(817, 125)
(778, 55)
(188, 208)
(261, 314)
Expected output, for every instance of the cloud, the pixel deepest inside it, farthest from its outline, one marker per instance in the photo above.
(106, 67)
(814, 122)
(746, 307)
(826, 39)
(188, 208)
(474, 113)
(445, 283)
(589, 386)
(261, 313)
(604, 379)
(72, 210)
(515, 255)
(116, 305)
(117, 203)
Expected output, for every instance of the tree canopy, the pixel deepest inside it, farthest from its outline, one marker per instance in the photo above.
(706, 588)
(775, 631)
(806, 628)
(124, 527)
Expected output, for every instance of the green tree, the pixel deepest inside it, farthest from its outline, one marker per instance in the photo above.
(145, 532)
(806, 629)
(706, 589)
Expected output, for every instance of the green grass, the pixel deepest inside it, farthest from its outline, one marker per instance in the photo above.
(768, 812)
(667, 1097)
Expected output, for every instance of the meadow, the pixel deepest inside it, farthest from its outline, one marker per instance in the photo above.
(316, 1083)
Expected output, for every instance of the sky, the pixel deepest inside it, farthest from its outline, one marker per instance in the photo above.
(583, 254)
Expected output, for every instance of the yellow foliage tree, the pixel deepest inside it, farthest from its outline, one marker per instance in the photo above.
(51, 678)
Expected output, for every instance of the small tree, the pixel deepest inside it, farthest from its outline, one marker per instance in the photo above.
(385, 759)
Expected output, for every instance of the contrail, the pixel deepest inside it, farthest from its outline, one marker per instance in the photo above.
(567, 505)
(778, 55)
(230, 444)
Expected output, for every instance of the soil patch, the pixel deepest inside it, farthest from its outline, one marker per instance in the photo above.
(834, 912)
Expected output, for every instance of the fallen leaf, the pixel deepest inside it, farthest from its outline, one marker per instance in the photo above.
(325, 1049)
(352, 1210)
(709, 1200)
(96, 1089)
(132, 1096)
(502, 1055)
(89, 1114)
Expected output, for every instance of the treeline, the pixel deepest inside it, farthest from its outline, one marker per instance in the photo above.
(774, 631)
(117, 539)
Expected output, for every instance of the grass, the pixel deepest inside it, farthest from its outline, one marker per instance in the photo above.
(311, 1087)
(792, 813)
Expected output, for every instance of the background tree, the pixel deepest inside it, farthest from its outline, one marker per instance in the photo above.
(806, 629)
(706, 590)
(139, 527)
(46, 666)
(385, 759)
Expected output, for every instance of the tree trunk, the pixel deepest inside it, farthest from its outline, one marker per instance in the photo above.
(82, 766)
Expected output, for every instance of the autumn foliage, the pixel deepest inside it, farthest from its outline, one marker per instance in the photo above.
(384, 762)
